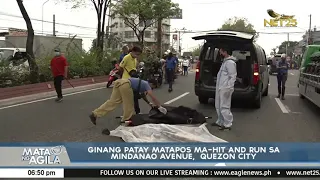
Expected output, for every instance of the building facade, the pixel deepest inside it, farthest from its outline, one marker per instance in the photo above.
(121, 30)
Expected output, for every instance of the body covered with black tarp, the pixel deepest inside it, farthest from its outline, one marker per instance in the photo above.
(175, 115)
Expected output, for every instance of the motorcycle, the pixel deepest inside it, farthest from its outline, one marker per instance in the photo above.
(113, 76)
(141, 70)
(156, 76)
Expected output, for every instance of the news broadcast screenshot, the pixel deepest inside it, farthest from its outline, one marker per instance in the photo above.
(159, 89)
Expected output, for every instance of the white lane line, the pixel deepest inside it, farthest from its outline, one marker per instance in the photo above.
(281, 105)
(292, 95)
(44, 99)
(179, 97)
(292, 74)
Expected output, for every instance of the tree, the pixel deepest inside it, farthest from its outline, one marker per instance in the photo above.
(240, 25)
(34, 70)
(101, 7)
(287, 47)
(273, 51)
(196, 51)
(141, 14)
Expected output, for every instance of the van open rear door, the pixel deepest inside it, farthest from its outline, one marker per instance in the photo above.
(225, 35)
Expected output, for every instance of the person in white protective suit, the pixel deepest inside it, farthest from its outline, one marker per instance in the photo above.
(224, 88)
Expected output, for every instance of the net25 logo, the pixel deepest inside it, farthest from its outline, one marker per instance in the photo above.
(39, 156)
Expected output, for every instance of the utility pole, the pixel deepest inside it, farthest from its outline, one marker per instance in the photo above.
(309, 35)
(287, 44)
(180, 33)
(159, 37)
(54, 25)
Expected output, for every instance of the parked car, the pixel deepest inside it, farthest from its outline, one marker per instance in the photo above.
(252, 66)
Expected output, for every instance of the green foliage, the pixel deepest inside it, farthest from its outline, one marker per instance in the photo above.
(150, 59)
(144, 12)
(196, 51)
(80, 66)
(290, 48)
(13, 76)
(240, 25)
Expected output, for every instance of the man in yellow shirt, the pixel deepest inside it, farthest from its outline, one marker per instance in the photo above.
(129, 62)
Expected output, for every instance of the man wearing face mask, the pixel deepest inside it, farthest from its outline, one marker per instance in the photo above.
(59, 69)
(282, 75)
(224, 88)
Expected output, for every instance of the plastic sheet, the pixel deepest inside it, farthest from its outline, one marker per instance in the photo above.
(165, 133)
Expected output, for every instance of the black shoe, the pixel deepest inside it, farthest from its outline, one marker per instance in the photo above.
(223, 128)
(282, 98)
(278, 96)
(58, 100)
(93, 119)
(215, 124)
(170, 90)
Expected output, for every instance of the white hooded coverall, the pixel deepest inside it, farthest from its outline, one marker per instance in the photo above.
(226, 78)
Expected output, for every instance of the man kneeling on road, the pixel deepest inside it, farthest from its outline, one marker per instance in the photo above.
(123, 92)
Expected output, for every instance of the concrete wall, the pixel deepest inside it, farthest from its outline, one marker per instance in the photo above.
(44, 45)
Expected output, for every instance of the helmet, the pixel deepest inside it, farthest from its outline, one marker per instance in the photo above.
(141, 63)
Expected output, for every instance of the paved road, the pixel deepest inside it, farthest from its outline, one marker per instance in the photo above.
(291, 120)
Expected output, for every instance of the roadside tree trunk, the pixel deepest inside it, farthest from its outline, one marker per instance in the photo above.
(159, 38)
(34, 70)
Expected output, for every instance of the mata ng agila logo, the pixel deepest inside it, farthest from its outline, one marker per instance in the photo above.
(280, 20)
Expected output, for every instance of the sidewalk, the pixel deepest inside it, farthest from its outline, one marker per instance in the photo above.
(50, 93)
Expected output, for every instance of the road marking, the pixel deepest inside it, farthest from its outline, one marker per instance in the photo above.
(292, 74)
(179, 97)
(287, 107)
(292, 95)
(281, 105)
(44, 99)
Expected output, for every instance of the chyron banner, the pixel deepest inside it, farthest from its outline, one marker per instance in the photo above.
(280, 20)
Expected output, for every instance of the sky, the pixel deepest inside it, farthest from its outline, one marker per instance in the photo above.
(198, 15)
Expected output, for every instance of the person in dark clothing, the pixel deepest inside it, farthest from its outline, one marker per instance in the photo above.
(170, 68)
(282, 68)
(125, 51)
(59, 69)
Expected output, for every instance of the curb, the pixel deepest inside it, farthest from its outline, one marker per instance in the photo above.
(51, 94)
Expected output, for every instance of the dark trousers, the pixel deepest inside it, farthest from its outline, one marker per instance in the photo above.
(170, 77)
(185, 70)
(282, 78)
(136, 103)
(58, 85)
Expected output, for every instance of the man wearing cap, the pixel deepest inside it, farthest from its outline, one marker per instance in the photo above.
(59, 69)
(282, 68)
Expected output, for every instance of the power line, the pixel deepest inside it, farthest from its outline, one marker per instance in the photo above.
(39, 20)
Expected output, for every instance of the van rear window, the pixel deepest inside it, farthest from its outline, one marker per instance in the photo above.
(212, 54)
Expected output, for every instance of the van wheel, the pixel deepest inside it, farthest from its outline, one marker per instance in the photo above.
(257, 102)
(203, 100)
(266, 92)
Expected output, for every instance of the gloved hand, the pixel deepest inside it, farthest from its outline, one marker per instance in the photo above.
(162, 110)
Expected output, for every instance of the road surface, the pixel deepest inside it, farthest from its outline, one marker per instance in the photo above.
(290, 120)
